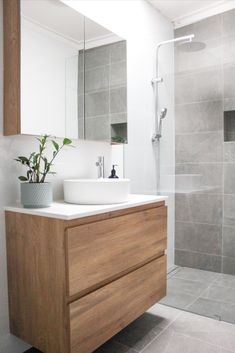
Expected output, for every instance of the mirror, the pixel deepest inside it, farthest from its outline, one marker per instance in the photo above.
(73, 75)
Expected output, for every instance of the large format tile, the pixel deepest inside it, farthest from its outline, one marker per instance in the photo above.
(198, 260)
(98, 56)
(173, 342)
(199, 117)
(204, 85)
(194, 274)
(229, 151)
(118, 51)
(228, 22)
(178, 300)
(97, 104)
(166, 315)
(220, 293)
(229, 49)
(118, 75)
(229, 178)
(205, 329)
(203, 30)
(229, 241)
(97, 79)
(98, 128)
(118, 100)
(199, 208)
(229, 80)
(114, 347)
(228, 265)
(214, 309)
(201, 147)
(194, 288)
(210, 176)
(204, 238)
(229, 210)
(225, 280)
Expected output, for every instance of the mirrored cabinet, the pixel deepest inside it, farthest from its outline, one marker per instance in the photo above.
(65, 75)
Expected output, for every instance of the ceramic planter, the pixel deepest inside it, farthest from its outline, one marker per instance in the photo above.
(36, 195)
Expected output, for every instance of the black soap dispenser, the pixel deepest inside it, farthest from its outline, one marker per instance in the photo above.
(113, 173)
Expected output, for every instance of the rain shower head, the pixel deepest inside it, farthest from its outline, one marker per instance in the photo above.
(191, 47)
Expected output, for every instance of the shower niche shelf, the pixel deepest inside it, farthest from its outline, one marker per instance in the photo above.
(229, 126)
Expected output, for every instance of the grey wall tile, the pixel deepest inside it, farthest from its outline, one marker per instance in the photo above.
(229, 80)
(209, 176)
(97, 104)
(204, 85)
(229, 210)
(98, 56)
(228, 265)
(97, 79)
(98, 128)
(228, 22)
(209, 54)
(206, 29)
(118, 100)
(204, 238)
(206, 147)
(118, 51)
(198, 260)
(229, 104)
(229, 179)
(229, 241)
(200, 208)
(229, 152)
(229, 49)
(118, 74)
(118, 118)
(199, 117)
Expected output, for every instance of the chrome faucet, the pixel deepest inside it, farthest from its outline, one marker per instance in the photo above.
(100, 165)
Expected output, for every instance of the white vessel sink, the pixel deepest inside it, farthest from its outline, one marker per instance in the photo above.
(96, 191)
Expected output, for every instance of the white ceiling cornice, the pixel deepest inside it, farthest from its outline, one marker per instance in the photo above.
(181, 15)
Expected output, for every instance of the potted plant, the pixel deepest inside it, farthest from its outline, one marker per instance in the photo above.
(35, 192)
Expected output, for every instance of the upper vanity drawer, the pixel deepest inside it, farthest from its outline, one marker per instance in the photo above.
(101, 251)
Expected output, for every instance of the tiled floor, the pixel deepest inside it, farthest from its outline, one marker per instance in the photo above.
(164, 329)
(205, 293)
(167, 330)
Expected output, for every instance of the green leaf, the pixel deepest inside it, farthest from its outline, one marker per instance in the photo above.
(23, 178)
(67, 141)
(55, 144)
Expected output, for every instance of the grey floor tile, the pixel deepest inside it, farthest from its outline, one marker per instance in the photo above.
(139, 333)
(225, 280)
(220, 293)
(114, 347)
(174, 342)
(194, 274)
(178, 300)
(166, 315)
(208, 330)
(180, 285)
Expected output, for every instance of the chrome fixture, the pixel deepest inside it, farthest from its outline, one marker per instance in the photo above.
(156, 80)
(100, 165)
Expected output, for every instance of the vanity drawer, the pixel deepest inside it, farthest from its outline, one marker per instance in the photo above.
(100, 252)
(98, 316)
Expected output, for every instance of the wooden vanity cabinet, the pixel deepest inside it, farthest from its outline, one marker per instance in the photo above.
(74, 284)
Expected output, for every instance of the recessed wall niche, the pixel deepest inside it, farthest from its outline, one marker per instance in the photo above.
(229, 125)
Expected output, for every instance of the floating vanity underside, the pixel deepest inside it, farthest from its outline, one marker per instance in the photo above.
(74, 283)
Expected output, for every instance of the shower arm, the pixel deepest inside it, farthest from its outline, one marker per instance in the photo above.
(155, 81)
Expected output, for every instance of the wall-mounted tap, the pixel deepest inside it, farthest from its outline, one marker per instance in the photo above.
(100, 165)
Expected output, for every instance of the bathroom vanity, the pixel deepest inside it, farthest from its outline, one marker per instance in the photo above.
(79, 274)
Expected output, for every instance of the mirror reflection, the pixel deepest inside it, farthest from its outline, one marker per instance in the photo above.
(73, 75)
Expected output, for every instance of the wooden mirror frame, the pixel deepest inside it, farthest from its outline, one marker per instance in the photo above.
(11, 61)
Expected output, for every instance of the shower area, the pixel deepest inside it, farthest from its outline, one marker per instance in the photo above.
(203, 279)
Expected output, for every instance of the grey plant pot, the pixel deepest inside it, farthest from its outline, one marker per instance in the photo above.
(36, 195)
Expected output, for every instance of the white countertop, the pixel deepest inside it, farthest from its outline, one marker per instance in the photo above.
(67, 211)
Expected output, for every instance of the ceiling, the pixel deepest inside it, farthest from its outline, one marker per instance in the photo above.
(183, 12)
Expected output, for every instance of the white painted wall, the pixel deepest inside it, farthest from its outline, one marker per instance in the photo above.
(143, 27)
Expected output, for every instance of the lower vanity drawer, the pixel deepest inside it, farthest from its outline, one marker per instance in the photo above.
(98, 316)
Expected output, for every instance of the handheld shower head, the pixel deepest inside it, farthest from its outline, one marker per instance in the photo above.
(163, 113)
